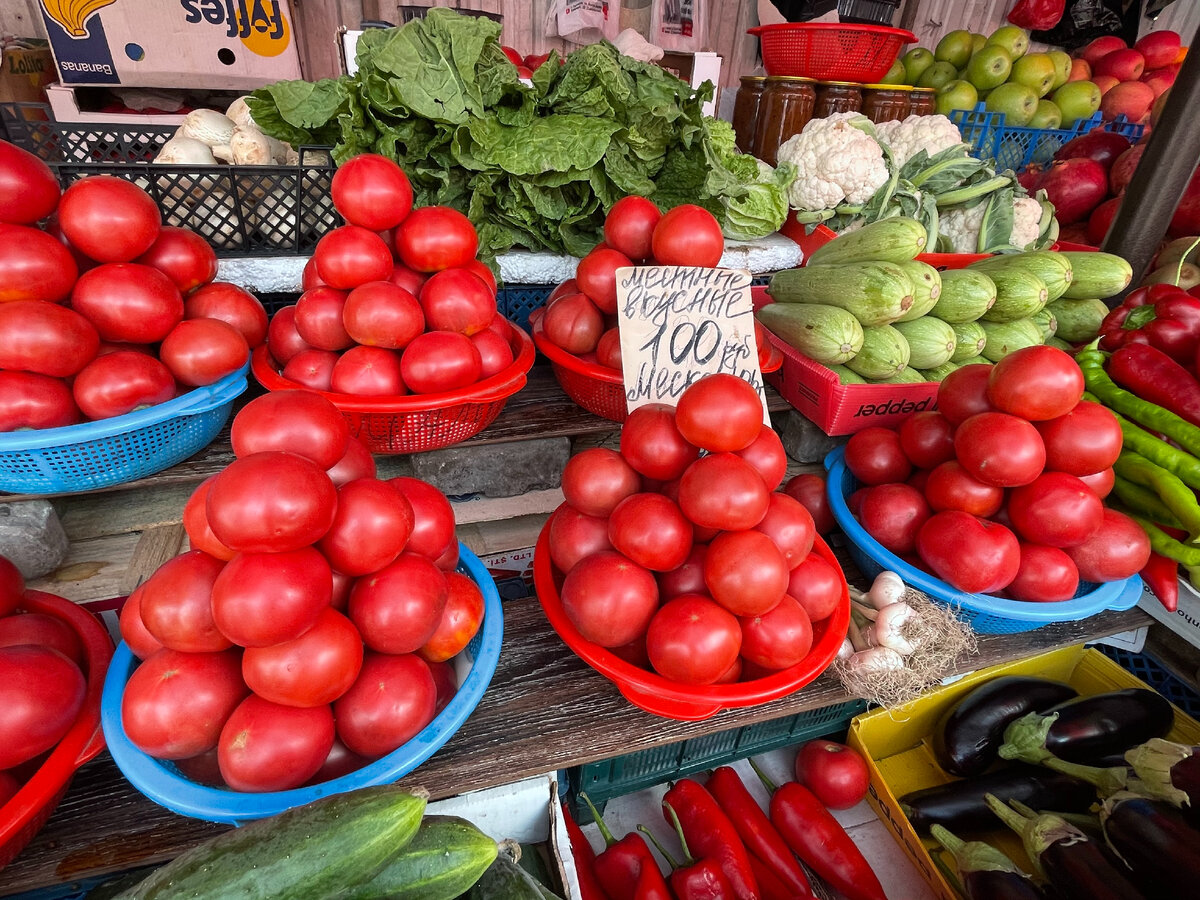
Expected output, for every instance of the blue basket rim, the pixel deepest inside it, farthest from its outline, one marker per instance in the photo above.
(982, 117)
(1111, 595)
(198, 400)
(187, 798)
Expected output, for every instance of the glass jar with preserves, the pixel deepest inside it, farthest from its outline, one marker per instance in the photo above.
(924, 102)
(786, 107)
(837, 97)
(745, 110)
(885, 102)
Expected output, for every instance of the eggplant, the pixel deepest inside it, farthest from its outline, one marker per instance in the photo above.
(970, 733)
(1089, 727)
(984, 872)
(1169, 771)
(962, 805)
(1156, 842)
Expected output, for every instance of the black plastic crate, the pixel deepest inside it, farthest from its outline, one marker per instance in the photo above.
(868, 12)
(1146, 667)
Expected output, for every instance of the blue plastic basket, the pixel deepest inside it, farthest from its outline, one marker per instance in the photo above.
(1014, 147)
(112, 451)
(161, 781)
(984, 613)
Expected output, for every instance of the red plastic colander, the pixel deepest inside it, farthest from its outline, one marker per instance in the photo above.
(831, 51)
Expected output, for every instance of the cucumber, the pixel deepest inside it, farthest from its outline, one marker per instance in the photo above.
(1078, 320)
(1019, 294)
(847, 376)
(1053, 268)
(897, 239)
(1096, 274)
(445, 857)
(313, 851)
(505, 880)
(970, 338)
(823, 333)
(927, 288)
(876, 293)
(966, 295)
(1005, 337)
(931, 341)
(938, 373)
(907, 375)
(1044, 320)
(884, 353)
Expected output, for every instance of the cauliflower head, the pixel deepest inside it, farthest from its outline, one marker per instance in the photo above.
(906, 138)
(961, 226)
(836, 161)
(1027, 221)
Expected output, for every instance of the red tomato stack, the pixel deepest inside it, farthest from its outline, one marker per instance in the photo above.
(308, 629)
(678, 553)
(104, 310)
(1001, 489)
(395, 302)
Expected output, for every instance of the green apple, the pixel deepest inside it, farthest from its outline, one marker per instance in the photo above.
(978, 41)
(895, 75)
(1016, 101)
(916, 61)
(1062, 67)
(957, 94)
(1035, 70)
(1013, 39)
(1077, 100)
(989, 68)
(954, 48)
(1047, 115)
(936, 75)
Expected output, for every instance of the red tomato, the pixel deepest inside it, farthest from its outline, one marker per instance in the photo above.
(268, 747)
(175, 603)
(195, 523)
(41, 693)
(231, 304)
(836, 774)
(457, 299)
(440, 361)
(693, 640)
(28, 188)
(367, 372)
(875, 456)
(809, 489)
(380, 314)
(573, 323)
(108, 219)
(1084, 441)
(963, 393)
(349, 256)
(203, 351)
(309, 278)
(970, 553)
(436, 237)
(575, 535)
(1045, 575)
(260, 599)
(312, 369)
(44, 631)
(369, 530)
(1055, 509)
(433, 517)
(184, 257)
(1101, 483)
(777, 639)
(356, 462)
(8, 787)
(28, 400)
(118, 383)
(175, 704)
(460, 620)
(1036, 383)
(495, 354)
(1117, 550)
(723, 491)
(271, 502)
(629, 226)
(283, 340)
(392, 700)
(745, 572)
(12, 586)
(927, 439)
(128, 302)
(893, 514)
(650, 529)
(340, 761)
(311, 670)
(1000, 449)
(565, 289)
(950, 486)
(404, 277)
(594, 481)
(767, 457)
(319, 319)
(790, 526)
(687, 236)
(34, 265)
(372, 191)
(477, 267)
(45, 338)
(448, 560)
(609, 598)
(299, 422)
(720, 412)
(687, 578)
(817, 586)
(141, 642)
(397, 608)
(608, 349)
(596, 276)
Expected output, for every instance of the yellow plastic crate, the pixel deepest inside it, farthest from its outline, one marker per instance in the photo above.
(897, 747)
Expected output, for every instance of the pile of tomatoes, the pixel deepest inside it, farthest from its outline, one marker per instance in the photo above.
(395, 302)
(678, 554)
(309, 628)
(105, 310)
(1001, 489)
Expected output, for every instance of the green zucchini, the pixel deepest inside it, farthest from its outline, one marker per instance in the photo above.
(931, 341)
(884, 353)
(897, 239)
(505, 880)
(966, 295)
(313, 851)
(927, 288)
(445, 857)
(1045, 320)
(970, 338)
(847, 376)
(1060, 344)
(876, 293)
(1078, 320)
(1053, 268)
(939, 373)
(907, 375)
(1019, 294)
(823, 333)
(975, 361)
(1005, 337)
(1096, 274)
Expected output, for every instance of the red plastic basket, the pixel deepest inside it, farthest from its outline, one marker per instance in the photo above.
(831, 51)
(27, 811)
(658, 695)
(414, 423)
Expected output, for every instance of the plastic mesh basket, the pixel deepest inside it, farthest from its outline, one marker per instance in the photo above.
(517, 301)
(831, 51)
(123, 448)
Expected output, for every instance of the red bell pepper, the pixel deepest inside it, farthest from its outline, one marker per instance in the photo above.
(1161, 575)
(696, 879)
(1154, 376)
(1037, 15)
(585, 860)
(627, 868)
(711, 835)
(1161, 315)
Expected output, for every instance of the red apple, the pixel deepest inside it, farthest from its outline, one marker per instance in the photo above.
(1123, 65)
(1101, 47)
(1129, 98)
(1159, 48)
(1158, 80)
(1081, 70)
(1105, 83)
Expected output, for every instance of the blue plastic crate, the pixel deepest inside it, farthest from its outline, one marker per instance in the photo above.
(517, 301)
(1146, 667)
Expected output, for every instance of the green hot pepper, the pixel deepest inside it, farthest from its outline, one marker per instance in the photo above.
(1144, 502)
(1173, 493)
(1142, 442)
(1165, 545)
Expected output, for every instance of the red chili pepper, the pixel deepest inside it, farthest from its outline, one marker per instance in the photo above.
(627, 868)
(769, 884)
(1154, 376)
(817, 838)
(696, 879)
(585, 860)
(761, 838)
(711, 835)
(1162, 577)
